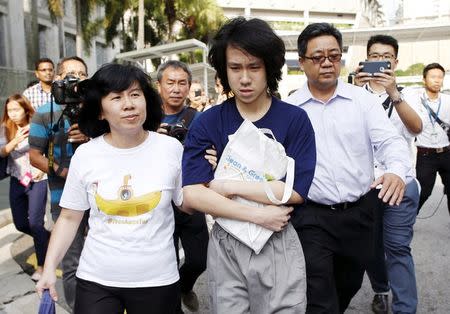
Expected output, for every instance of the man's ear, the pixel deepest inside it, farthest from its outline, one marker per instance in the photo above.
(300, 62)
(36, 74)
(394, 65)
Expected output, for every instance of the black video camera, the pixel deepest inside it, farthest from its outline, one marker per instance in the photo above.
(65, 93)
(177, 130)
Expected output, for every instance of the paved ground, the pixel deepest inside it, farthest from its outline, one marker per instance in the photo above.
(430, 248)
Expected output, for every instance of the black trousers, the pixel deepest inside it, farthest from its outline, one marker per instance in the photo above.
(376, 270)
(338, 245)
(427, 166)
(94, 298)
(193, 233)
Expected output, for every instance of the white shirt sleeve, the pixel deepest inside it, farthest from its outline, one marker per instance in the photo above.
(178, 192)
(75, 194)
(391, 148)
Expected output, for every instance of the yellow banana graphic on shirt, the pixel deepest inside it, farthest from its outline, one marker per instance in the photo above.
(126, 205)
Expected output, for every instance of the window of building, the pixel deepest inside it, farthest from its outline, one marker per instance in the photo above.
(100, 52)
(2, 40)
(70, 43)
(42, 41)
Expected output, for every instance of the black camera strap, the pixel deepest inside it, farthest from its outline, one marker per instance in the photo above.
(387, 103)
(187, 116)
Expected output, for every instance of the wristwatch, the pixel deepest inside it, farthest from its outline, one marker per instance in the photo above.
(395, 102)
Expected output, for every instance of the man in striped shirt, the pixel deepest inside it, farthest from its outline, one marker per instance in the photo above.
(40, 93)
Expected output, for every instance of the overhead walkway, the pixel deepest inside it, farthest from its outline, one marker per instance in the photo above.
(403, 33)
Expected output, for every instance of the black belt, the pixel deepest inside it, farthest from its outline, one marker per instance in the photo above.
(339, 206)
(427, 150)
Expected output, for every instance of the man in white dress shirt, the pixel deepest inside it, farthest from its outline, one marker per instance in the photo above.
(336, 225)
(393, 266)
(433, 146)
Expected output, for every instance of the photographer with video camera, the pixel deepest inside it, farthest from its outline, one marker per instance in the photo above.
(174, 81)
(54, 135)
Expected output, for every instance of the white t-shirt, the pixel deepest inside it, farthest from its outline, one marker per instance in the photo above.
(131, 223)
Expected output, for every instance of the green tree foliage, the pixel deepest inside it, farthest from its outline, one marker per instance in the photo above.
(412, 70)
(165, 21)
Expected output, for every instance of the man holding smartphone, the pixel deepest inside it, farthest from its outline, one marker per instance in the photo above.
(197, 98)
(393, 265)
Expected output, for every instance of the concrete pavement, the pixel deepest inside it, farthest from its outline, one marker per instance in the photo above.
(430, 249)
(17, 294)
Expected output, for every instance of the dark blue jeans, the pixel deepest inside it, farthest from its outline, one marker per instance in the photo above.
(398, 234)
(28, 211)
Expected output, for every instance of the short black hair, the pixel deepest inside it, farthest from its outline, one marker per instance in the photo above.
(176, 65)
(43, 60)
(255, 37)
(432, 66)
(60, 65)
(115, 78)
(384, 40)
(315, 30)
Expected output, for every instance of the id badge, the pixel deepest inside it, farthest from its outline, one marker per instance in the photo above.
(434, 137)
(26, 179)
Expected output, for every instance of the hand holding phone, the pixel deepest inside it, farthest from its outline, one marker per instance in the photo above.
(375, 66)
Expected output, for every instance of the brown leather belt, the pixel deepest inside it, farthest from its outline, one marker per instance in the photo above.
(426, 150)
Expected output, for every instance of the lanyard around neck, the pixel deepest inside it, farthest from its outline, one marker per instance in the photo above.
(430, 116)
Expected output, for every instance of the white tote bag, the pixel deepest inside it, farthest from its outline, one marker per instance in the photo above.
(250, 155)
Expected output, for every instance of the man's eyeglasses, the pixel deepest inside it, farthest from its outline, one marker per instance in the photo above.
(377, 56)
(81, 75)
(333, 58)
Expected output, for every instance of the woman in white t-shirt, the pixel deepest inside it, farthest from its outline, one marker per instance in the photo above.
(127, 175)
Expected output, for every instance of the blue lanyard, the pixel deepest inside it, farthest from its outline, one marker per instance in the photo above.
(432, 120)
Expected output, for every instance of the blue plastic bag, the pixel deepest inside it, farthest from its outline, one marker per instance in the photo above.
(47, 305)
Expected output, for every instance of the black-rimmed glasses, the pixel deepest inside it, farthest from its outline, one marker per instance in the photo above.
(333, 58)
(377, 56)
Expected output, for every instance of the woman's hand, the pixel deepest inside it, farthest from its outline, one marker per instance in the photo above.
(22, 134)
(47, 281)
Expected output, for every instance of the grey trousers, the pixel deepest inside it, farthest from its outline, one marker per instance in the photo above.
(69, 263)
(240, 281)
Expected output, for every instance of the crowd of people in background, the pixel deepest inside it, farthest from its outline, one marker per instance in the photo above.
(129, 163)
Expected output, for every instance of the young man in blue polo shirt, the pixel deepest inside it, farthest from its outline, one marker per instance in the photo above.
(248, 57)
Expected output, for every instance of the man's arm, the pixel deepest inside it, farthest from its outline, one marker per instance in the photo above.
(38, 160)
(387, 79)
(392, 151)
(253, 191)
(208, 201)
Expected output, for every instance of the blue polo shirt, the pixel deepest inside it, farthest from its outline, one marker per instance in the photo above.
(289, 124)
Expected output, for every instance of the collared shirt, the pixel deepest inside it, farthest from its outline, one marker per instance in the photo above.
(433, 136)
(41, 127)
(380, 169)
(347, 128)
(37, 96)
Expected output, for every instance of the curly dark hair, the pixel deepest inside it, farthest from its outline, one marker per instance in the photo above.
(255, 37)
(115, 78)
